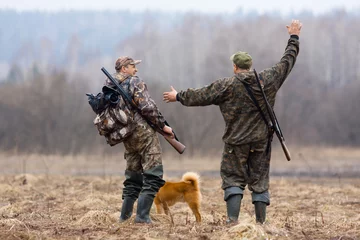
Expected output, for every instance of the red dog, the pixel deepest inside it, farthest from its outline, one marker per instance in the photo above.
(187, 190)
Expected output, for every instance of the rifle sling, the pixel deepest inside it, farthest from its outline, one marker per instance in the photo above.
(256, 104)
(270, 129)
(129, 100)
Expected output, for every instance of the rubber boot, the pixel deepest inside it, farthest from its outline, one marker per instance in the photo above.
(143, 208)
(126, 209)
(260, 212)
(233, 204)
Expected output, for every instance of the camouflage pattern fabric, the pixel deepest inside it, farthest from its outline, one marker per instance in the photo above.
(116, 123)
(246, 158)
(246, 164)
(137, 89)
(143, 149)
(124, 61)
(243, 122)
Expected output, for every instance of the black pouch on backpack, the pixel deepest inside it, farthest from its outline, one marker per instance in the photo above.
(103, 99)
(98, 103)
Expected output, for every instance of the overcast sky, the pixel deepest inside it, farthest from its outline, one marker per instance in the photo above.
(206, 6)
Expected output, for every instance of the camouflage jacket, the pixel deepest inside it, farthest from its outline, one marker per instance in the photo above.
(137, 90)
(243, 121)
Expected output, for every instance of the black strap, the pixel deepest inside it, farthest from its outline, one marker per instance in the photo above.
(256, 104)
(270, 128)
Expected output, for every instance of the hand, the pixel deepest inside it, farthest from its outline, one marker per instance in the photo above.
(168, 130)
(294, 28)
(170, 96)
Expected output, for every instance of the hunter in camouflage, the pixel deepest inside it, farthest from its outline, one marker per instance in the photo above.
(144, 169)
(246, 155)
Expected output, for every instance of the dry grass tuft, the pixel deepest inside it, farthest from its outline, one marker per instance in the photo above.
(8, 190)
(245, 230)
(97, 219)
(10, 211)
(26, 179)
(91, 204)
(13, 225)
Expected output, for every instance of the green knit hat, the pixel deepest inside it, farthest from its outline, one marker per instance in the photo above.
(242, 60)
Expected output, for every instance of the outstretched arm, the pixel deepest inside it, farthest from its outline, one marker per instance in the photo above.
(278, 73)
(215, 93)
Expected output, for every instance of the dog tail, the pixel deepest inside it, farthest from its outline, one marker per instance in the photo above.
(192, 177)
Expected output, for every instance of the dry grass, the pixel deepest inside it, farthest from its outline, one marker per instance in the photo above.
(63, 207)
(48, 197)
(305, 160)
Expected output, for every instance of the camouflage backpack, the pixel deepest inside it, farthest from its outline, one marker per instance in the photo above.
(114, 119)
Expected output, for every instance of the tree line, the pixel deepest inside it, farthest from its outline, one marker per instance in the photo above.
(47, 111)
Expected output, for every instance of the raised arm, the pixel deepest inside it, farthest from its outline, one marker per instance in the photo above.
(277, 74)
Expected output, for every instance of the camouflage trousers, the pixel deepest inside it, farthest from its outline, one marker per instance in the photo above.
(246, 164)
(144, 170)
(142, 149)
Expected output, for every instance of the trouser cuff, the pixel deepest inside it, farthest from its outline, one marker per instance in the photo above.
(231, 191)
(261, 197)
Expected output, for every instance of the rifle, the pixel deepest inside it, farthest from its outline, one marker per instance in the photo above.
(274, 122)
(173, 141)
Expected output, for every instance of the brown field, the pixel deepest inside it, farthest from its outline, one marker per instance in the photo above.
(45, 197)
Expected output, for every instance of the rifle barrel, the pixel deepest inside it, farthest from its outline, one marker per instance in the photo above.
(273, 120)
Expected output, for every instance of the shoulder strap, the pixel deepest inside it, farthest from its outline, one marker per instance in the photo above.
(127, 96)
(256, 104)
(132, 104)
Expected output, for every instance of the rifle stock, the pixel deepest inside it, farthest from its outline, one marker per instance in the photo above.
(174, 142)
(286, 150)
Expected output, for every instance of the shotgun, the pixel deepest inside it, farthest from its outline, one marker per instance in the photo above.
(274, 122)
(174, 142)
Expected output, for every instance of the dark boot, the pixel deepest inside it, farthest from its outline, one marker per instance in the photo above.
(233, 204)
(143, 208)
(153, 180)
(127, 209)
(260, 211)
(132, 185)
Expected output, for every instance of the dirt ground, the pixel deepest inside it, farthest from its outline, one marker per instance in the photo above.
(87, 207)
(314, 196)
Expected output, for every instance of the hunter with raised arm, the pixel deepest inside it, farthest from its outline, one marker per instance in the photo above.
(247, 137)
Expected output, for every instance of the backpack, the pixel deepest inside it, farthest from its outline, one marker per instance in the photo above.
(114, 120)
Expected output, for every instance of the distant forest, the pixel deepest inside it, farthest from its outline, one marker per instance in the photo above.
(48, 61)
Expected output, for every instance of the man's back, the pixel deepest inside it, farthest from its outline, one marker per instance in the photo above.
(243, 121)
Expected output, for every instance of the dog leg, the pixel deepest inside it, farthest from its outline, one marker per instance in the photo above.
(166, 208)
(159, 209)
(195, 206)
(158, 204)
